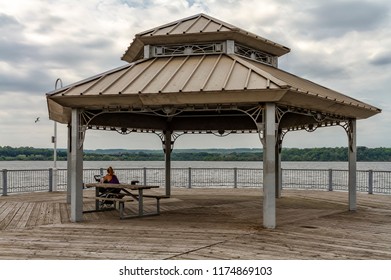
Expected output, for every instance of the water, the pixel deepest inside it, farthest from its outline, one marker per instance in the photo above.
(27, 165)
(24, 176)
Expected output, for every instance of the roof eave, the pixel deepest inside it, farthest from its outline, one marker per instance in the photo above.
(330, 106)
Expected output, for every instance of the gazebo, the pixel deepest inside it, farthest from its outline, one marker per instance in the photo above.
(202, 75)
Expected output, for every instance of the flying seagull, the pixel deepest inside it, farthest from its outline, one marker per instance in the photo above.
(37, 120)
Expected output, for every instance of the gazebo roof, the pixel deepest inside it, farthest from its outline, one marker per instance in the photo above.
(197, 80)
(187, 67)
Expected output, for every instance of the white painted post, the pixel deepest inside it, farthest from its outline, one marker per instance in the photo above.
(235, 177)
(167, 152)
(76, 170)
(278, 173)
(370, 181)
(189, 176)
(55, 170)
(330, 180)
(352, 167)
(69, 164)
(54, 140)
(269, 167)
(145, 176)
(5, 182)
(50, 179)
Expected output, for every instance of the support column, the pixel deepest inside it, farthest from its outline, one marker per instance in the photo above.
(76, 169)
(269, 167)
(352, 165)
(69, 164)
(278, 166)
(167, 146)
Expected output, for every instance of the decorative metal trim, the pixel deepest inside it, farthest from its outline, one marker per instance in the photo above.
(123, 130)
(319, 117)
(280, 113)
(82, 127)
(310, 127)
(321, 120)
(85, 118)
(280, 138)
(189, 49)
(255, 55)
(174, 137)
(168, 111)
(256, 113)
(221, 133)
(212, 48)
(348, 127)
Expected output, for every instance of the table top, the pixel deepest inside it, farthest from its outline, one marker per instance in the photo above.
(119, 186)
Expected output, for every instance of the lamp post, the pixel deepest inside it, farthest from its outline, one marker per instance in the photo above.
(54, 141)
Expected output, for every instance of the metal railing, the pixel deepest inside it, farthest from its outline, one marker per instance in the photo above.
(370, 181)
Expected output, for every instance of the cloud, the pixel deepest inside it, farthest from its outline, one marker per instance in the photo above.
(8, 22)
(302, 63)
(382, 59)
(336, 18)
(344, 45)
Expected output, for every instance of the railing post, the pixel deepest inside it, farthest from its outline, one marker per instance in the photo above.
(145, 176)
(370, 182)
(235, 177)
(189, 186)
(50, 179)
(330, 180)
(5, 182)
(55, 179)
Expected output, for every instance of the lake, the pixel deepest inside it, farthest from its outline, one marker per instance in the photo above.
(23, 165)
(24, 176)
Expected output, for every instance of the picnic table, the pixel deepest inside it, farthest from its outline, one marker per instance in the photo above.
(124, 194)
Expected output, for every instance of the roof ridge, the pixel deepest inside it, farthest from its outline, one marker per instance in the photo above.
(196, 16)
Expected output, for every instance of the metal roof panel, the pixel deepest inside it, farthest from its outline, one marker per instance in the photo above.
(173, 78)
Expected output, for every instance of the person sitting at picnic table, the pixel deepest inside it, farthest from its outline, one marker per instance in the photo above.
(109, 178)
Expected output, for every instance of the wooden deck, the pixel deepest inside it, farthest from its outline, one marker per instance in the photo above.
(200, 224)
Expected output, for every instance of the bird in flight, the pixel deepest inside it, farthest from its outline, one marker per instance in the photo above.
(37, 120)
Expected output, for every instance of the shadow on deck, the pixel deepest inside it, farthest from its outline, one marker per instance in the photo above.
(200, 224)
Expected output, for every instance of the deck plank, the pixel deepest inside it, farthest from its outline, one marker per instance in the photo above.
(200, 224)
(26, 215)
(19, 214)
(64, 213)
(8, 214)
(34, 215)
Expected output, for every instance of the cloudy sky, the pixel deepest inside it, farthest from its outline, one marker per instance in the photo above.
(343, 45)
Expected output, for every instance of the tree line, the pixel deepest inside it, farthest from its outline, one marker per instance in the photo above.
(243, 154)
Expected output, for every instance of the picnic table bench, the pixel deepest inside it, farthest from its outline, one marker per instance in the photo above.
(123, 195)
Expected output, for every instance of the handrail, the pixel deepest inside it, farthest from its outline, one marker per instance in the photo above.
(369, 181)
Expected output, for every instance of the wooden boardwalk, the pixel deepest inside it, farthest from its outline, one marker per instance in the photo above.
(200, 224)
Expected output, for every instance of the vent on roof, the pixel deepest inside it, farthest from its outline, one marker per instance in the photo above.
(213, 48)
(255, 55)
(188, 49)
